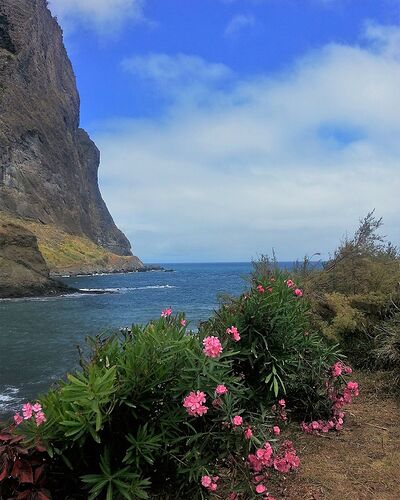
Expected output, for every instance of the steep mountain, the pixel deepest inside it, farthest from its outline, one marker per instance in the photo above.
(48, 165)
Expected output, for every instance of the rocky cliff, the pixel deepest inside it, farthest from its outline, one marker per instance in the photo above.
(23, 271)
(48, 165)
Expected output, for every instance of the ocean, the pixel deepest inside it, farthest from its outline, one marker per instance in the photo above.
(39, 336)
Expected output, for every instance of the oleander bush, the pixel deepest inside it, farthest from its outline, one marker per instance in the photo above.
(279, 354)
(160, 411)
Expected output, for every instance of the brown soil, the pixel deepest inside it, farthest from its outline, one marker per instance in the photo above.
(361, 462)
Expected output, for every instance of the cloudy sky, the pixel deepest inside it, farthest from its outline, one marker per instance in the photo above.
(231, 127)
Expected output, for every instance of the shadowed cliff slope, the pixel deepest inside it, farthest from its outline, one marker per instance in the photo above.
(48, 165)
(23, 271)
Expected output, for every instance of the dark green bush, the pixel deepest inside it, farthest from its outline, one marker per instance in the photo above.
(118, 426)
(279, 355)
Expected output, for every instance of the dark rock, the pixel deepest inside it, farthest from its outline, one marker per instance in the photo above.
(23, 271)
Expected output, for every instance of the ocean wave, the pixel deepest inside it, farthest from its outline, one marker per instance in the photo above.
(9, 399)
(124, 289)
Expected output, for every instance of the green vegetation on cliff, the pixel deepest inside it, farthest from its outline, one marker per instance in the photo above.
(66, 253)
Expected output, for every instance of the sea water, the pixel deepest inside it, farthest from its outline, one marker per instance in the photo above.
(39, 336)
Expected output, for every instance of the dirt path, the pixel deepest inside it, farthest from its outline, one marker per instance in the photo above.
(363, 461)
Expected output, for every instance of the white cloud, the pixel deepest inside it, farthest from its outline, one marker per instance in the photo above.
(239, 23)
(181, 69)
(290, 161)
(104, 15)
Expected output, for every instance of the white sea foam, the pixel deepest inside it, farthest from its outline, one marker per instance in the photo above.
(9, 398)
(124, 289)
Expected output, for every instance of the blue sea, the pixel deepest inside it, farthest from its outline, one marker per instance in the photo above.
(39, 336)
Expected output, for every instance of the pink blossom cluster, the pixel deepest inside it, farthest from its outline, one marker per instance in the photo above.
(297, 291)
(237, 420)
(317, 426)
(248, 433)
(194, 404)
(261, 289)
(339, 400)
(212, 347)
(283, 461)
(221, 389)
(183, 322)
(338, 368)
(30, 411)
(165, 313)
(280, 410)
(209, 482)
(234, 333)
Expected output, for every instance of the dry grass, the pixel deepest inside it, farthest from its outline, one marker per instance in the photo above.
(67, 253)
(363, 461)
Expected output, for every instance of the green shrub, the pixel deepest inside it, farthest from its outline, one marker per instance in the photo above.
(279, 355)
(387, 348)
(158, 408)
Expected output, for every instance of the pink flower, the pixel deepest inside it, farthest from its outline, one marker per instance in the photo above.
(353, 387)
(248, 433)
(166, 312)
(221, 389)
(37, 407)
(281, 464)
(298, 292)
(269, 289)
(337, 369)
(194, 404)
(27, 411)
(255, 463)
(260, 289)
(260, 488)
(276, 430)
(282, 403)
(292, 459)
(289, 283)
(206, 481)
(210, 483)
(18, 419)
(264, 454)
(212, 347)
(234, 332)
(40, 418)
(237, 420)
(183, 322)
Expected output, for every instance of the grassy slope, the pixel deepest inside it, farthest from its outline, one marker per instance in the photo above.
(66, 253)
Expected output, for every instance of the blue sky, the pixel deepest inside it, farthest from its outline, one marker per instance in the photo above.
(228, 127)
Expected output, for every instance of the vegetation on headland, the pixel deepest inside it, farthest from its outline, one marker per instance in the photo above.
(161, 412)
(66, 253)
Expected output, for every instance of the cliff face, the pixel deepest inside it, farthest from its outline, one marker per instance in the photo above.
(48, 165)
(23, 271)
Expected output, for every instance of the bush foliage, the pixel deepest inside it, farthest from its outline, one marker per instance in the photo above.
(163, 412)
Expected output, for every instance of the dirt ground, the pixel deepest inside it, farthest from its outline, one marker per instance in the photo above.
(361, 462)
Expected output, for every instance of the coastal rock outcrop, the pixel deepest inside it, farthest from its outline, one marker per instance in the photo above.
(23, 271)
